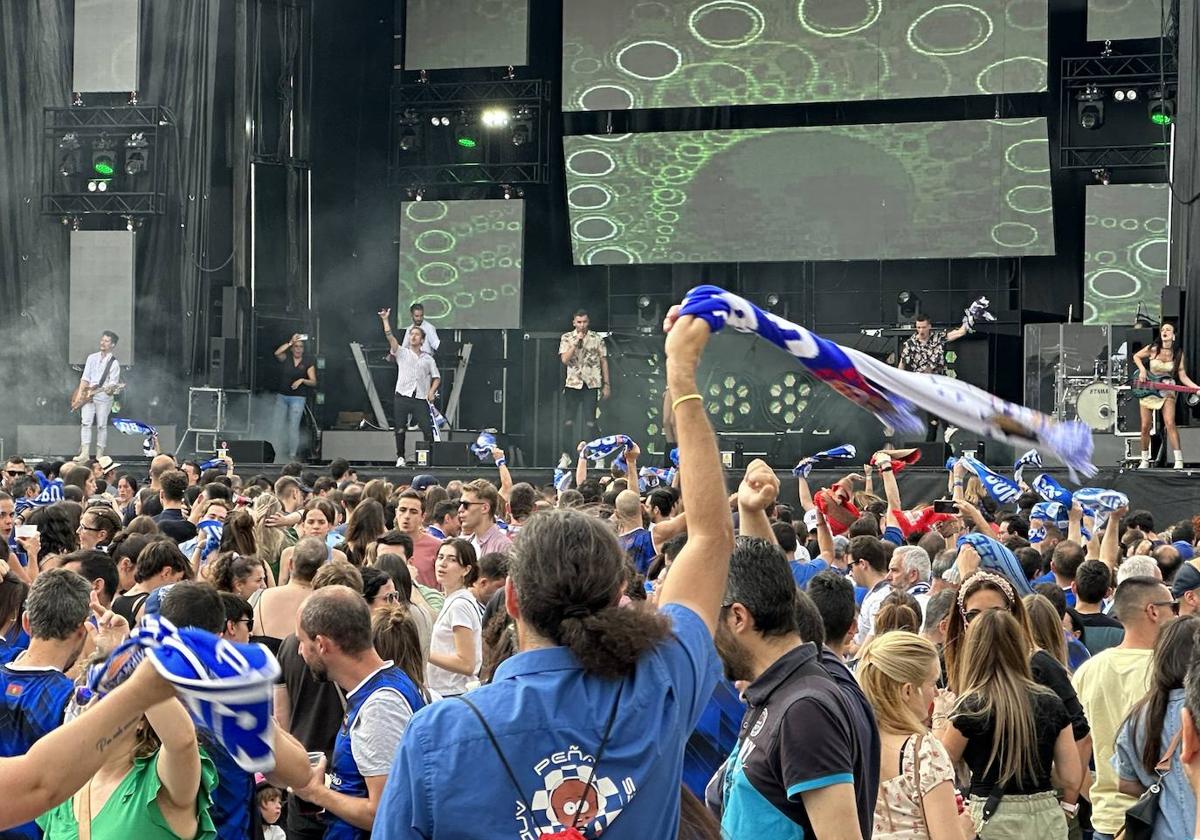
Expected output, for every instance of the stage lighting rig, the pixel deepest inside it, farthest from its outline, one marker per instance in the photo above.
(465, 134)
(496, 117)
(69, 161)
(410, 137)
(1089, 107)
(1160, 107)
(104, 158)
(137, 154)
(908, 304)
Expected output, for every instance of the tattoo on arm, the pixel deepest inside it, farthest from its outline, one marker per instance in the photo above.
(106, 741)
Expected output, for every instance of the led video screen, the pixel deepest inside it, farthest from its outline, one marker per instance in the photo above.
(462, 261)
(943, 189)
(1125, 252)
(623, 54)
(1114, 20)
(451, 34)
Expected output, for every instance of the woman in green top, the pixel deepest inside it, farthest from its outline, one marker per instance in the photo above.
(156, 788)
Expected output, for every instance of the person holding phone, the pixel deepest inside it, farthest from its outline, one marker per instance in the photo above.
(297, 377)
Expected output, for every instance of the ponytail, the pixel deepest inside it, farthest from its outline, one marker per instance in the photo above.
(610, 642)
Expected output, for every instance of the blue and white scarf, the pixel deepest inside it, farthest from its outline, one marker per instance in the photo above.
(893, 395)
(227, 687)
(995, 556)
(651, 477)
(603, 447)
(674, 456)
(978, 309)
(1029, 459)
(439, 422)
(484, 444)
(1051, 490)
(562, 479)
(997, 486)
(208, 537)
(136, 427)
(838, 453)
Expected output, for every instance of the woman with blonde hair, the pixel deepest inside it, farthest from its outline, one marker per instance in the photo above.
(271, 541)
(1014, 735)
(1047, 628)
(898, 672)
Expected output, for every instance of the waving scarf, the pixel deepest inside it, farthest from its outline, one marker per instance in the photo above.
(895, 395)
(1029, 459)
(996, 485)
(440, 423)
(995, 556)
(838, 453)
(227, 687)
(136, 427)
(1051, 490)
(483, 445)
(605, 446)
(651, 477)
(978, 309)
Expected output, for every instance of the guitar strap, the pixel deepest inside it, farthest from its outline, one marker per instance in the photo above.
(107, 369)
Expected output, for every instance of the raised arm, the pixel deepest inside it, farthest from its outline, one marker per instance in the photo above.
(281, 350)
(581, 466)
(698, 576)
(757, 492)
(1110, 545)
(802, 489)
(385, 316)
(956, 333)
(179, 759)
(825, 539)
(1075, 524)
(506, 481)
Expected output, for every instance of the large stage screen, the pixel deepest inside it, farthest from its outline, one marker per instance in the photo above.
(944, 189)
(1115, 20)
(623, 54)
(1125, 252)
(453, 34)
(462, 260)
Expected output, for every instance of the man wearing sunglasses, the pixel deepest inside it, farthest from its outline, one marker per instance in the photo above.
(15, 468)
(477, 512)
(1110, 683)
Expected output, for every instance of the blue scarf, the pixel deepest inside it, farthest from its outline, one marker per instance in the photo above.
(995, 556)
(894, 395)
(483, 445)
(651, 477)
(997, 486)
(1029, 459)
(136, 427)
(439, 423)
(605, 446)
(838, 453)
(227, 687)
(1051, 490)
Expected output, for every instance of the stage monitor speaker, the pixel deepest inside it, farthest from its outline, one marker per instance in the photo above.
(234, 306)
(101, 293)
(451, 454)
(251, 451)
(223, 362)
(933, 454)
(1172, 303)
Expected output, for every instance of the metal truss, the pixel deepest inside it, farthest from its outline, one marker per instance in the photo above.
(472, 174)
(1113, 70)
(454, 94)
(103, 204)
(1114, 157)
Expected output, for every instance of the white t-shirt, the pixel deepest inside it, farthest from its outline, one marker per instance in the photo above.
(870, 606)
(460, 610)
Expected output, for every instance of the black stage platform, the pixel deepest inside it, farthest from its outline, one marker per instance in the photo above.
(1172, 495)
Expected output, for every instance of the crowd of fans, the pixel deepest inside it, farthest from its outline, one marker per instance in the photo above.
(500, 659)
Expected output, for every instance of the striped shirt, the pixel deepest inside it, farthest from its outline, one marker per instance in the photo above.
(414, 373)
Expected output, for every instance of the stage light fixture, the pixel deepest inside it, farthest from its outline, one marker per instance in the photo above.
(409, 137)
(1089, 107)
(496, 117)
(643, 302)
(104, 158)
(787, 399)
(522, 129)
(728, 400)
(1160, 107)
(908, 304)
(69, 161)
(464, 132)
(510, 192)
(137, 154)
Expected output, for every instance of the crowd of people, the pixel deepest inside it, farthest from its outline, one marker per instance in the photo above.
(626, 657)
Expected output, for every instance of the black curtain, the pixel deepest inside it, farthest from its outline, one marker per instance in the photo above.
(34, 73)
(175, 251)
(1185, 185)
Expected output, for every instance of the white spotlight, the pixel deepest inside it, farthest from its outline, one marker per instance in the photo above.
(496, 117)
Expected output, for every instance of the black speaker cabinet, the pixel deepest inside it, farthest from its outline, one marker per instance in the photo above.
(451, 454)
(223, 362)
(252, 451)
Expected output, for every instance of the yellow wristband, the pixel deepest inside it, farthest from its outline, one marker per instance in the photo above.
(684, 399)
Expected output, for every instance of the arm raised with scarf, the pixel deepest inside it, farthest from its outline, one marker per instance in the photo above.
(1110, 545)
(890, 488)
(699, 573)
(1075, 524)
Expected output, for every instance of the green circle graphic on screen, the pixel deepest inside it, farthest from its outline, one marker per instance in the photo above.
(623, 54)
(1125, 252)
(462, 260)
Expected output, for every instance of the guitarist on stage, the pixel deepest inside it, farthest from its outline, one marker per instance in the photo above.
(99, 383)
(1164, 358)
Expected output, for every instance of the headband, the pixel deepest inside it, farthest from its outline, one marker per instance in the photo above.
(985, 576)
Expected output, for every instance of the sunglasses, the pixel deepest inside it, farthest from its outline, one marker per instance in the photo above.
(1174, 605)
(462, 505)
(83, 527)
(14, 473)
(249, 622)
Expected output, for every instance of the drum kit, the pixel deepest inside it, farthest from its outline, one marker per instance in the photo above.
(1095, 399)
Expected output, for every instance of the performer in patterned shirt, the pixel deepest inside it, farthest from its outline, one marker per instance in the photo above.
(925, 352)
(586, 359)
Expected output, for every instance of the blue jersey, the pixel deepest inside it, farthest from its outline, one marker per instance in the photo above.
(549, 717)
(345, 776)
(639, 545)
(233, 797)
(714, 738)
(32, 702)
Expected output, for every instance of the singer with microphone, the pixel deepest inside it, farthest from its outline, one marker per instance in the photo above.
(585, 357)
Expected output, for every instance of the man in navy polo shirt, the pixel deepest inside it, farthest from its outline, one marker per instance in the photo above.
(794, 773)
(585, 726)
(34, 691)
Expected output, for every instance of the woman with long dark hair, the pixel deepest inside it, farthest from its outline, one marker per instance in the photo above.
(1013, 734)
(365, 525)
(1161, 363)
(1152, 731)
(456, 646)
